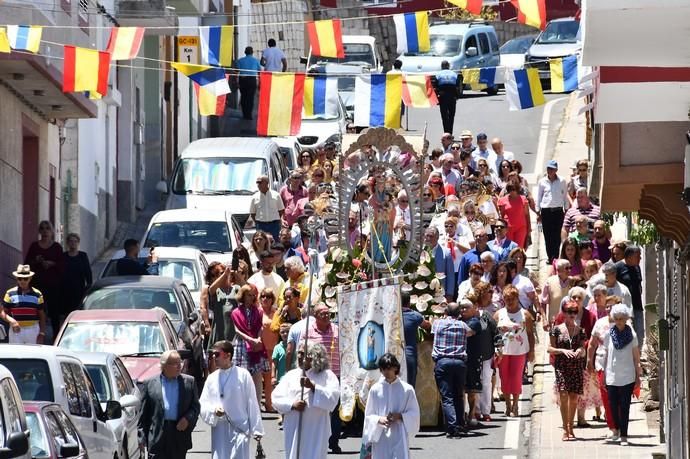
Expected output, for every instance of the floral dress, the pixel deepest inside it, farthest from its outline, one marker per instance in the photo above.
(569, 371)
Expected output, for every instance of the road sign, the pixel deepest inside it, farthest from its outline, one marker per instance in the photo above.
(188, 49)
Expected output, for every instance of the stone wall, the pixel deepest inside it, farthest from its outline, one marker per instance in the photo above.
(291, 38)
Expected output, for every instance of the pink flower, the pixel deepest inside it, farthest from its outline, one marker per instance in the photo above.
(356, 262)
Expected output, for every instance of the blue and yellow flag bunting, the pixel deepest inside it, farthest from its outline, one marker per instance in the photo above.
(216, 45)
(24, 37)
(412, 32)
(211, 79)
(482, 78)
(563, 74)
(378, 100)
(523, 89)
(320, 96)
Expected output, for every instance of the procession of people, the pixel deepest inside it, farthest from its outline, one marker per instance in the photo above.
(273, 343)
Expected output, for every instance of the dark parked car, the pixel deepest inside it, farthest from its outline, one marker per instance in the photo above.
(148, 292)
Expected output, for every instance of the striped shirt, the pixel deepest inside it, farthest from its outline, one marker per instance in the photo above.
(593, 213)
(329, 340)
(450, 339)
(23, 306)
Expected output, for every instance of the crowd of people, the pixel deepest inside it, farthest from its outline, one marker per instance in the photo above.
(477, 211)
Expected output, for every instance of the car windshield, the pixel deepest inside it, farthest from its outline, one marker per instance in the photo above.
(560, 32)
(287, 155)
(101, 381)
(119, 297)
(355, 54)
(182, 270)
(209, 236)
(218, 175)
(32, 377)
(442, 45)
(117, 337)
(38, 441)
(517, 45)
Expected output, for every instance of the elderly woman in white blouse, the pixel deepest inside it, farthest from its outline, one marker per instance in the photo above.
(623, 369)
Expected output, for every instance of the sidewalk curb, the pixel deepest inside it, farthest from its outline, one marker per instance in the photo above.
(540, 360)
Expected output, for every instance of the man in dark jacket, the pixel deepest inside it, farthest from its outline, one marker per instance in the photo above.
(169, 411)
(129, 265)
(447, 88)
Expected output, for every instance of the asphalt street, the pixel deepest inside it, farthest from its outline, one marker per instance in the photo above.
(531, 135)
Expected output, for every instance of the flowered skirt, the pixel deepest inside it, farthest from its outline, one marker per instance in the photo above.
(240, 358)
(591, 396)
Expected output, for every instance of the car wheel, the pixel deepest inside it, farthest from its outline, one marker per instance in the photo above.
(492, 90)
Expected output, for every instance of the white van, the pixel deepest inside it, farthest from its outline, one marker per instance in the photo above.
(54, 374)
(360, 51)
(221, 173)
(14, 431)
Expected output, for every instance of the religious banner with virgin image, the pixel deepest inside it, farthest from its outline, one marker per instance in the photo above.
(370, 324)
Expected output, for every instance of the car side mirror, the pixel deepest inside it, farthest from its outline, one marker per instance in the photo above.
(185, 354)
(303, 60)
(471, 51)
(69, 450)
(129, 401)
(113, 409)
(162, 187)
(17, 445)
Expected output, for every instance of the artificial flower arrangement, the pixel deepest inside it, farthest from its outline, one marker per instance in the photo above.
(342, 268)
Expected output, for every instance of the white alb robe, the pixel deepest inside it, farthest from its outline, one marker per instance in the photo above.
(385, 398)
(240, 405)
(316, 422)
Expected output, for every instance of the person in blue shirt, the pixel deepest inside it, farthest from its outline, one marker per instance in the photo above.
(443, 262)
(412, 320)
(501, 244)
(473, 256)
(249, 68)
(447, 84)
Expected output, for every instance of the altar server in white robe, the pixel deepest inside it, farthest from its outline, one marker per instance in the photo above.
(321, 395)
(228, 404)
(392, 413)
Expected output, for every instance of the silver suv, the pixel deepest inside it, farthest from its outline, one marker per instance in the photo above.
(464, 46)
(560, 38)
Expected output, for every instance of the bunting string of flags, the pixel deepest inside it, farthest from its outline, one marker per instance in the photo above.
(377, 100)
(124, 42)
(320, 95)
(276, 115)
(412, 32)
(378, 97)
(216, 45)
(326, 38)
(25, 37)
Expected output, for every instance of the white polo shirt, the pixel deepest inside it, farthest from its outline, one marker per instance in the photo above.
(266, 206)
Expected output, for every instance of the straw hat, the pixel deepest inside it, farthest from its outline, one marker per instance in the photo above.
(23, 271)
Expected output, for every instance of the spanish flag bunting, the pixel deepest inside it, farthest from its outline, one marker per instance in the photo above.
(4, 41)
(412, 32)
(472, 6)
(280, 103)
(523, 89)
(216, 45)
(25, 38)
(563, 74)
(531, 12)
(418, 92)
(326, 38)
(124, 42)
(377, 100)
(85, 70)
(320, 95)
(210, 78)
(208, 103)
